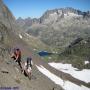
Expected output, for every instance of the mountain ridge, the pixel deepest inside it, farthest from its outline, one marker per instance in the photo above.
(59, 11)
(10, 73)
(58, 22)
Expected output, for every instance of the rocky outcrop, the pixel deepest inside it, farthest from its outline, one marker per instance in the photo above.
(6, 16)
(55, 15)
(27, 22)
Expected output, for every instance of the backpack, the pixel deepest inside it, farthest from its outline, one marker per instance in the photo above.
(29, 62)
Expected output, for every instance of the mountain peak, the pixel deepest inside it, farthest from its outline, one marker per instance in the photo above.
(68, 12)
(55, 15)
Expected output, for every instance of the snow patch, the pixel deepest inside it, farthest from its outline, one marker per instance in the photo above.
(86, 62)
(53, 77)
(28, 35)
(66, 85)
(20, 36)
(53, 52)
(34, 49)
(73, 14)
(83, 75)
(53, 14)
(49, 57)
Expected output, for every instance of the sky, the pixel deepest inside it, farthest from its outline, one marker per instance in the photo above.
(36, 8)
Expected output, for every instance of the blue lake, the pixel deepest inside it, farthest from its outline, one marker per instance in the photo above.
(44, 53)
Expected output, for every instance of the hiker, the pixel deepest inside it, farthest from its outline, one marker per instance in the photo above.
(16, 55)
(27, 69)
(13, 55)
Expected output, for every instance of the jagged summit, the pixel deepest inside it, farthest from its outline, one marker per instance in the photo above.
(66, 11)
(56, 15)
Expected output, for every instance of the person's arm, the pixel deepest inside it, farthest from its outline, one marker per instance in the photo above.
(17, 57)
(12, 55)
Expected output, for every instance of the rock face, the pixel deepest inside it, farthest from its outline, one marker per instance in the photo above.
(6, 16)
(57, 14)
(24, 23)
(10, 74)
(8, 27)
(59, 27)
(7, 21)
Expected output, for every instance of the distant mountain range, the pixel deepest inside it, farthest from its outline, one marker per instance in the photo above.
(55, 15)
(58, 27)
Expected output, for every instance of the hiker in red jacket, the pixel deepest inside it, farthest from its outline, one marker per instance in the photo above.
(17, 56)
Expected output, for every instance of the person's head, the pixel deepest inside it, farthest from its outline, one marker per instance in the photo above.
(17, 49)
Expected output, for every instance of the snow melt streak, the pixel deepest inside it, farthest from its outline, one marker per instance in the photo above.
(57, 80)
(83, 75)
(20, 36)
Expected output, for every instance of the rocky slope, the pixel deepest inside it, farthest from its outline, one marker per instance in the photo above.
(6, 16)
(10, 75)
